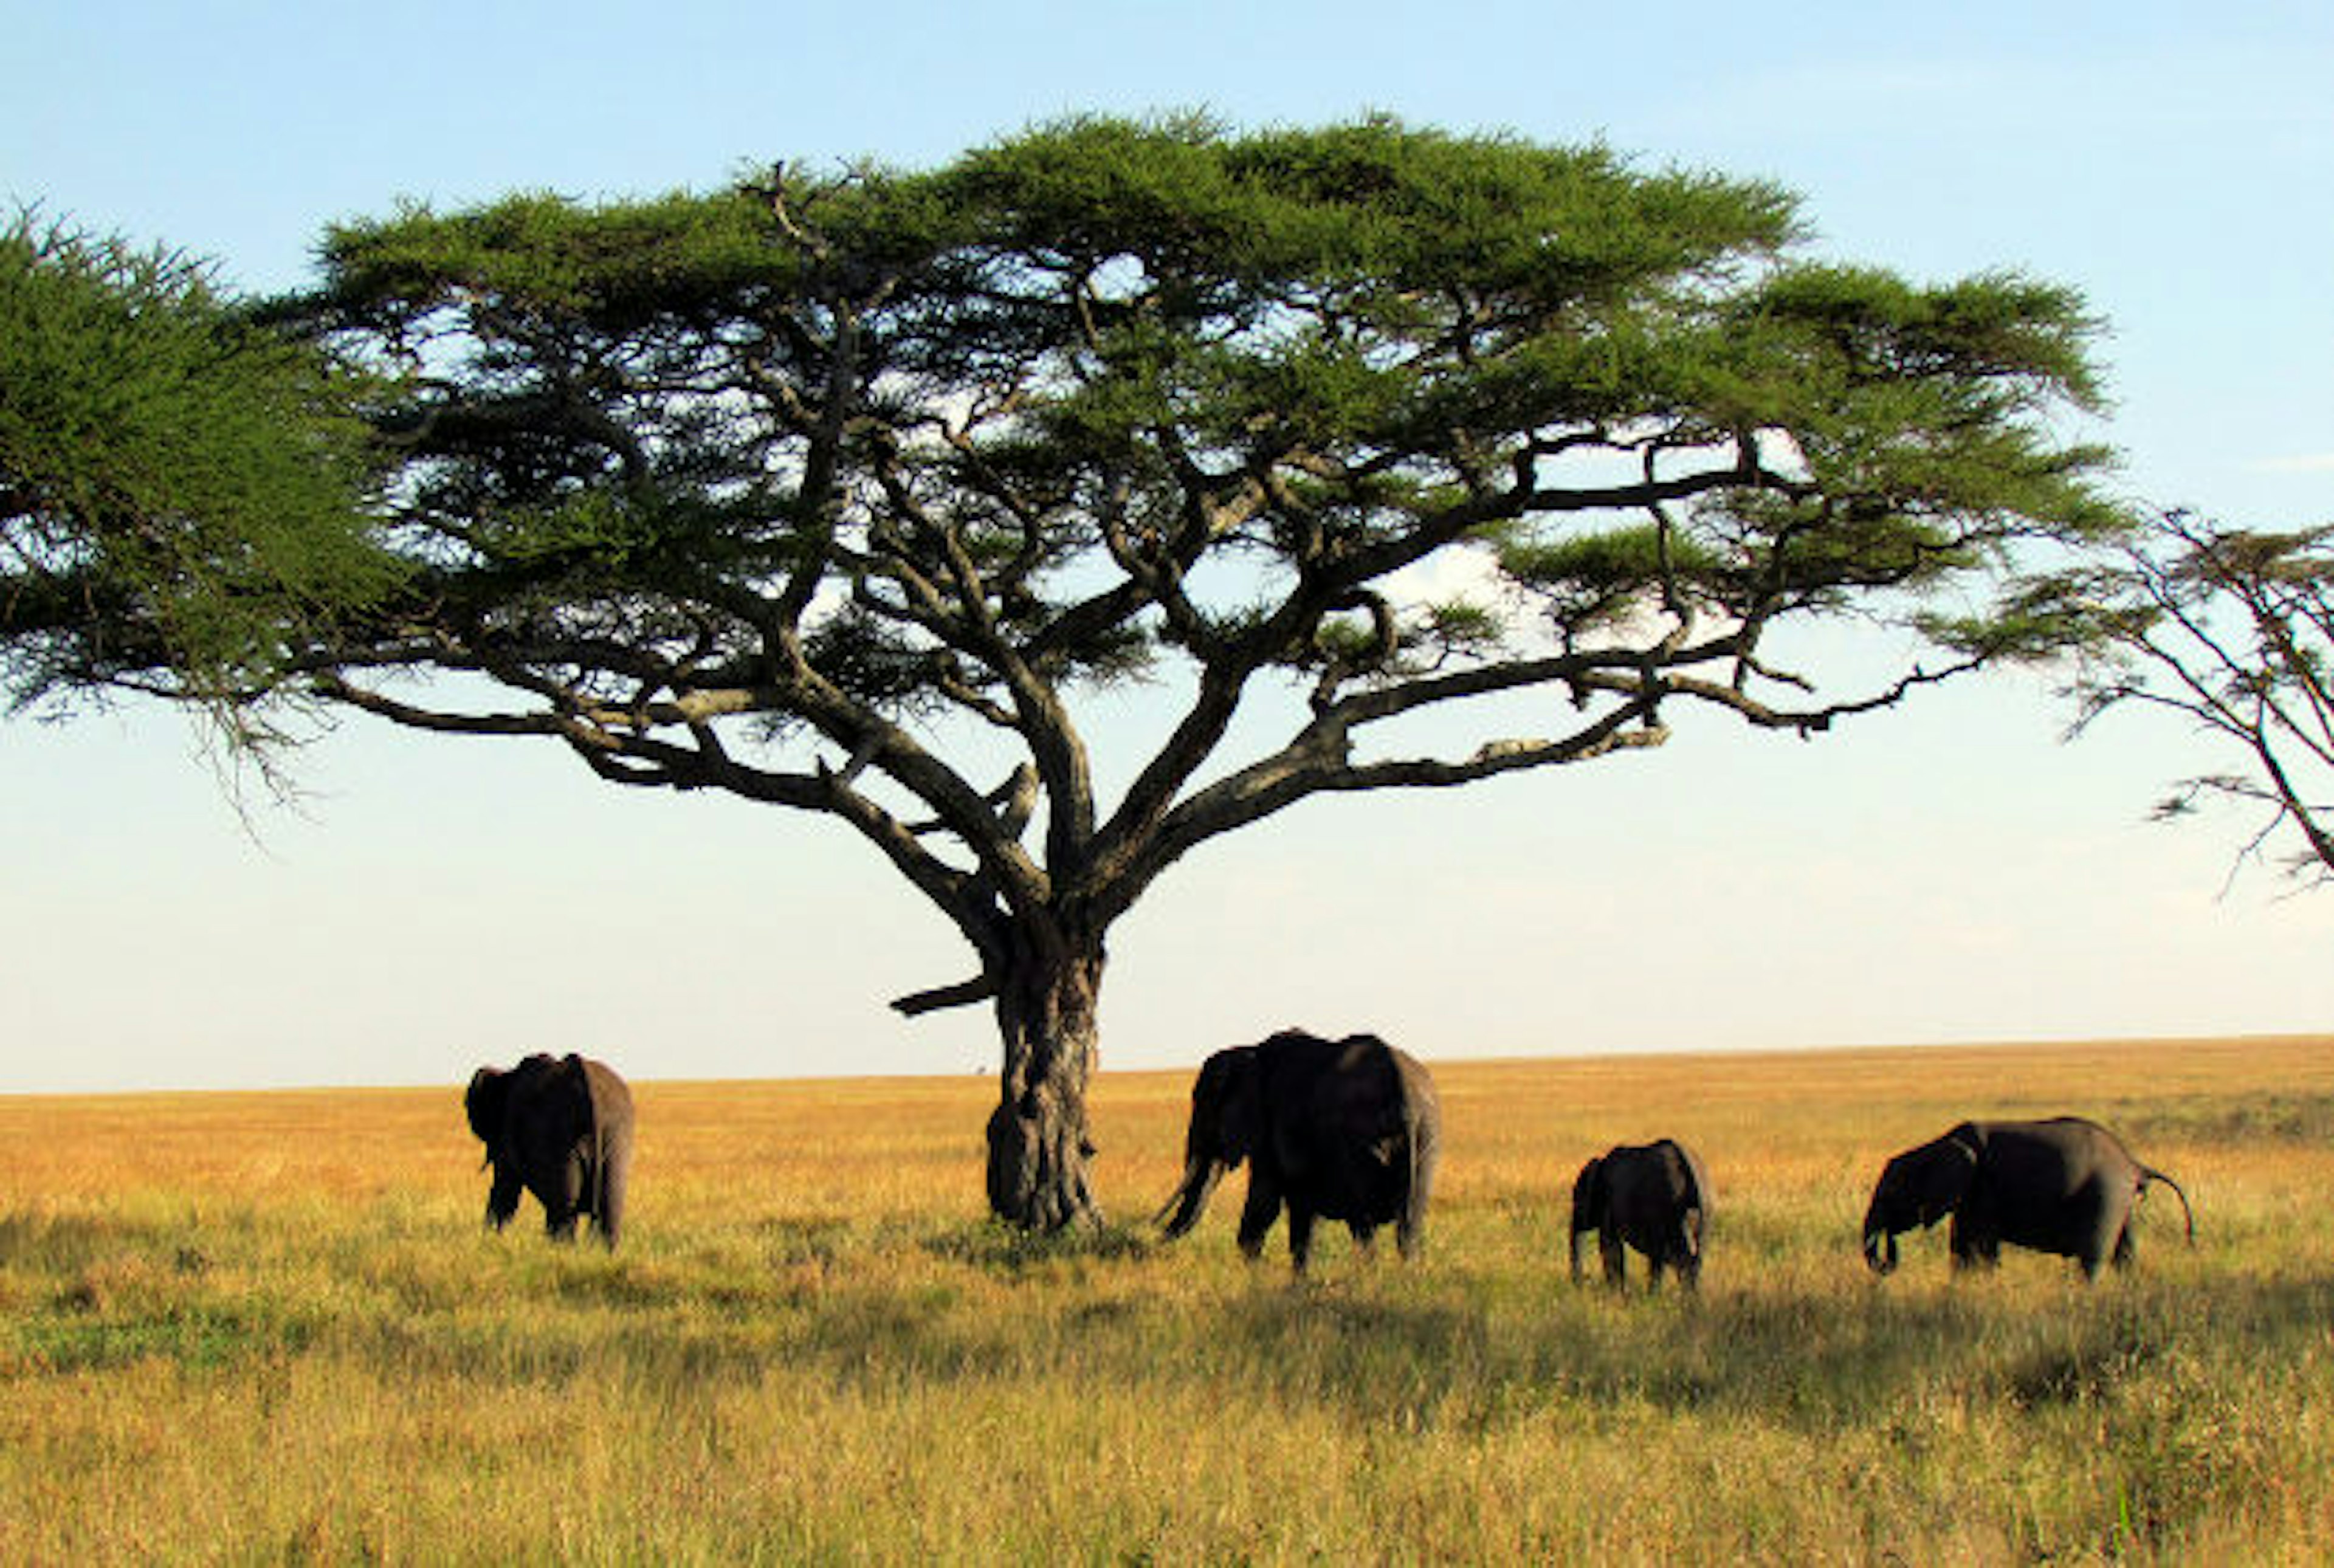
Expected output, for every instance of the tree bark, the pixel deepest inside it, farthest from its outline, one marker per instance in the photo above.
(1040, 1149)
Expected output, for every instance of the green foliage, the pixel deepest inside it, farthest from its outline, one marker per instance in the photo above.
(2006, 335)
(178, 487)
(1016, 406)
(789, 489)
(1596, 580)
(622, 266)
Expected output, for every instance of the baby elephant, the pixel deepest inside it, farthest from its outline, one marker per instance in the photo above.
(562, 1128)
(1652, 1197)
(2065, 1186)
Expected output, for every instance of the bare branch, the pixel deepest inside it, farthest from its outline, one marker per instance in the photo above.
(963, 994)
(2235, 624)
(408, 716)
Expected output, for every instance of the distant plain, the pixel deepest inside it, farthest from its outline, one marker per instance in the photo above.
(269, 1327)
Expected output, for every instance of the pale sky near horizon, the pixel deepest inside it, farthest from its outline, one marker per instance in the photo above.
(1947, 872)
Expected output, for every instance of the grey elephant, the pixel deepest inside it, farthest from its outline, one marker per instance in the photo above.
(562, 1128)
(2065, 1186)
(1652, 1197)
(1344, 1130)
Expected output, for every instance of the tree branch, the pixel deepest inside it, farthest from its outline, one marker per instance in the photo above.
(1318, 760)
(963, 994)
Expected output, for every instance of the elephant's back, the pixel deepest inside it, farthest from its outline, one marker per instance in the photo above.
(2056, 1160)
(612, 1097)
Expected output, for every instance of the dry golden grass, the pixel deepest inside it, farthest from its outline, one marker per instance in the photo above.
(268, 1327)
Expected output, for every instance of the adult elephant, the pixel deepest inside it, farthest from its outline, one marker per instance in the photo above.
(2065, 1186)
(562, 1128)
(1652, 1197)
(1345, 1129)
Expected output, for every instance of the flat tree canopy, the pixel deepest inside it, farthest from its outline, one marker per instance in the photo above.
(830, 489)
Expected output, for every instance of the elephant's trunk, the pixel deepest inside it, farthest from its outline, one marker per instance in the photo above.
(1182, 1210)
(1880, 1251)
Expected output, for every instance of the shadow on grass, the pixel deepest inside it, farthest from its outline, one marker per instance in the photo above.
(977, 1302)
(2224, 1119)
(60, 1243)
(1814, 1367)
(84, 1331)
(204, 1339)
(1013, 1252)
(1405, 1353)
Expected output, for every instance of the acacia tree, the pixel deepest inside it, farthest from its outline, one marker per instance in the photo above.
(182, 494)
(813, 489)
(2232, 629)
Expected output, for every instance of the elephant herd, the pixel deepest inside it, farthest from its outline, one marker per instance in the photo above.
(1350, 1130)
(2063, 1186)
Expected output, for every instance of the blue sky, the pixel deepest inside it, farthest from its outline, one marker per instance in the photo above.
(1947, 872)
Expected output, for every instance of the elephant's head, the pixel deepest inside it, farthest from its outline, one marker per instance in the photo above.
(1227, 1123)
(1691, 1227)
(506, 1108)
(1918, 1188)
(489, 1103)
(1588, 1203)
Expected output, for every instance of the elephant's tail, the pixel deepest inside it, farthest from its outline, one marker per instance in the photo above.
(2149, 1173)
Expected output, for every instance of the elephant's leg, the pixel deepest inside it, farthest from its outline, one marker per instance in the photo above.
(2106, 1236)
(501, 1198)
(565, 1196)
(1971, 1245)
(1617, 1261)
(1366, 1236)
(1300, 1235)
(1654, 1262)
(1256, 1215)
(615, 1175)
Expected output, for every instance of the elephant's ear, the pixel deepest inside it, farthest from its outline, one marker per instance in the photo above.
(489, 1095)
(1239, 1098)
(1948, 1168)
(1588, 1195)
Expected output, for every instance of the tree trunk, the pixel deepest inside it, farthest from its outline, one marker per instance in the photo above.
(1039, 1149)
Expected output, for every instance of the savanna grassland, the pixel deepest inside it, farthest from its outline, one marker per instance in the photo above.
(269, 1328)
